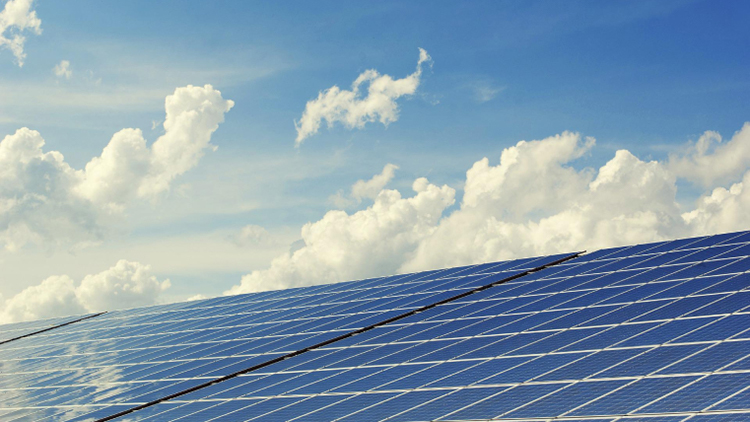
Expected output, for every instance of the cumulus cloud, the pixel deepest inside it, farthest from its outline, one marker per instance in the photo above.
(44, 200)
(15, 19)
(342, 246)
(629, 201)
(722, 209)
(62, 70)
(531, 176)
(534, 201)
(37, 199)
(709, 161)
(365, 189)
(125, 285)
(352, 108)
(127, 167)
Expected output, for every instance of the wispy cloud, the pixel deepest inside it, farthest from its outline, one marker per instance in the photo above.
(352, 109)
(65, 97)
(484, 90)
(250, 235)
(363, 189)
(17, 18)
(135, 78)
(62, 70)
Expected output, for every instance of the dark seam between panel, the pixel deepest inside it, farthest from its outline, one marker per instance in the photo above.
(333, 340)
(52, 328)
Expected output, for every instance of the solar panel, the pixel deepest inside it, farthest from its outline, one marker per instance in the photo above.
(100, 366)
(651, 332)
(657, 332)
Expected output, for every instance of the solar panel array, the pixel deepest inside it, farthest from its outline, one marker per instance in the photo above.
(114, 362)
(656, 332)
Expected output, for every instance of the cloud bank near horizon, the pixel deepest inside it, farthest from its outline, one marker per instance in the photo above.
(124, 285)
(533, 202)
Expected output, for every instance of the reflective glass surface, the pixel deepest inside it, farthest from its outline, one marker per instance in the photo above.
(123, 359)
(619, 334)
(657, 332)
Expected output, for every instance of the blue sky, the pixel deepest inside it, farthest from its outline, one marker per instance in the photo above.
(647, 77)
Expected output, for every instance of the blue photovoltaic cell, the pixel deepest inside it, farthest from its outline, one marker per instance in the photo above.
(591, 364)
(451, 401)
(711, 358)
(504, 402)
(701, 394)
(649, 329)
(393, 406)
(651, 360)
(565, 400)
(533, 368)
(730, 326)
(633, 396)
(667, 331)
(720, 417)
(738, 401)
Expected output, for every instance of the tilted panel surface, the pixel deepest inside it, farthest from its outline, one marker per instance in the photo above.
(17, 330)
(657, 332)
(111, 363)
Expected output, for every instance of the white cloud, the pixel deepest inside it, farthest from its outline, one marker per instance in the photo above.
(484, 90)
(722, 209)
(37, 200)
(251, 235)
(208, 261)
(16, 18)
(371, 188)
(534, 201)
(128, 167)
(62, 70)
(352, 109)
(342, 246)
(708, 161)
(531, 176)
(55, 296)
(45, 200)
(125, 285)
(365, 189)
(629, 201)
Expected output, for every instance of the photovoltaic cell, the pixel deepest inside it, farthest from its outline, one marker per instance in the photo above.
(657, 332)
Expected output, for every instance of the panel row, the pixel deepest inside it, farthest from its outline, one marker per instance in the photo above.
(591, 337)
(137, 356)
